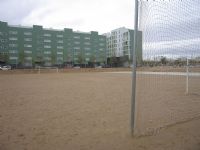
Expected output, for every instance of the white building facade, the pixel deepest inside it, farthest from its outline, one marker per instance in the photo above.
(120, 44)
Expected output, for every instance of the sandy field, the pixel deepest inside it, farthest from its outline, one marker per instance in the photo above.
(162, 101)
(82, 111)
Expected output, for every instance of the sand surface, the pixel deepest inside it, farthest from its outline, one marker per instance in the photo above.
(81, 111)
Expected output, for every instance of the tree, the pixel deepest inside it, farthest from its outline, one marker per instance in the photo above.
(92, 60)
(178, 62)
(21, 57)
(80, 59)
(53, 58)
(33, 62)
(39, 59)
(4, 57)
(69, 58)
(163, 60)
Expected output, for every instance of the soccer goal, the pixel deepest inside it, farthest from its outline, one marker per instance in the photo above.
(40, 69)
(166, 90)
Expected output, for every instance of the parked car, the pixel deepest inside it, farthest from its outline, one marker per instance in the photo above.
(98, 67)
(5, 67)
(77, 67)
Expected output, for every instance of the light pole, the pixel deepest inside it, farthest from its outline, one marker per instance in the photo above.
(133, 97)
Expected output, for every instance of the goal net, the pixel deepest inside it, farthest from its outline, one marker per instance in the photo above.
(168, 83)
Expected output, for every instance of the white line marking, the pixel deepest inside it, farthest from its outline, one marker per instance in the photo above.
(160, 73)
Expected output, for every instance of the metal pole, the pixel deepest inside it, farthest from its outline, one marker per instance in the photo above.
(187, 78)
(133, 98)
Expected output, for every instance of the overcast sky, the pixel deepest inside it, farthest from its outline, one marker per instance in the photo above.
(170, 27)
(82, 15)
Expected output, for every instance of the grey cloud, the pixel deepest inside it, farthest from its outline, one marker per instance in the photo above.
(171, 23)
(167, 32)
(166, 23)
(189, 49)
(13, 11)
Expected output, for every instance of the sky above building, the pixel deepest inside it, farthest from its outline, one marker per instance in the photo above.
(170, 27)
(83, 15)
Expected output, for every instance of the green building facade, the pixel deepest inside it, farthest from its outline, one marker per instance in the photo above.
(29, 46)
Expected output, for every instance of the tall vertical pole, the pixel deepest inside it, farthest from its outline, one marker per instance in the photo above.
(187, 78)
(133, 98)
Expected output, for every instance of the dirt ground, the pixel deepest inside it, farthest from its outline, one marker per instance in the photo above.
(162, 101)
(81, 111)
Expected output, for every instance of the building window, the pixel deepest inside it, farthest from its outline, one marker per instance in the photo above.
(27, 39)
(47, 46)
(76, 42)
(101, 49)
(101, 44)
(47, 35)
(13, 51)
(60, 53)
(47, 58)
(47, 41)
(12, 45)
(60, 41)
(2, 47)
(47, 52)
(87, 48)
(87, 38)
(87, 59)
(101, 39)
(87, 54)
(13, 58)
(59, 47)
(27, 52)
(59, 36)
(27, 33)
(27, 45)
(60, 58)
(3, 40)
(76, 53)
(76, 37)
(28, 58)
(77, 48)
(13, 39)
(87, 43)
(13, 32)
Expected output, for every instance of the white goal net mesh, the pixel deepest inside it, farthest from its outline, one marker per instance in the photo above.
(166, 92)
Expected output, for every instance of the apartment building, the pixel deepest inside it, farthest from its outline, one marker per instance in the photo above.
(120, 44)
(28, 46)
